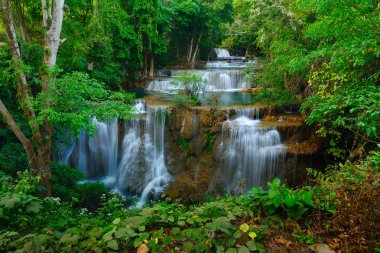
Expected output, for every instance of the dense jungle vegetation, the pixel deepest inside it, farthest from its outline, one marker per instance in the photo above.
(62, 63)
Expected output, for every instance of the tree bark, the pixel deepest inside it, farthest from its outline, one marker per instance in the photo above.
(196, 49)
(21, 21)
(45, 15)
(52, 43)
(190, 54)
(151, 68)
(26, 143)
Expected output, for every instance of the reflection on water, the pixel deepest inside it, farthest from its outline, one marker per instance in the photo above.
(236, 98)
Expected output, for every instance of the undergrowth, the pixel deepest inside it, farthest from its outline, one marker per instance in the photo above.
(258, 221)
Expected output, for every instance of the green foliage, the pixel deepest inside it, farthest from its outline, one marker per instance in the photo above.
(295, 203)
(225, 224)
(209, 142)
(323, 54)
(192, 84)
(77, 99)
(184, 143)
(13, 158)
(66, 187)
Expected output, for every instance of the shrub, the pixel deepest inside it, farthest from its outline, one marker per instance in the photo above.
(13, 158)
(192, 84)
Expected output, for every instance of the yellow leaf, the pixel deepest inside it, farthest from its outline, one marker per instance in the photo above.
(244, 227)
(253, 235)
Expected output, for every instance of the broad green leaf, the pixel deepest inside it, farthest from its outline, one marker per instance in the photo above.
(243, 250)
(116, 221)
(251, 245)
(34, 207)
(113, 245)
(8, 201)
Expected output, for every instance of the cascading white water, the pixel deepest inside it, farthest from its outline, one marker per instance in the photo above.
(222, 53)
(142, 167)
(231, 64)
(103, 150)
(163, 86)
(157, 176)
(216, 80)
(250, 155)
(131, 168)
(139, 107)
(139, 166)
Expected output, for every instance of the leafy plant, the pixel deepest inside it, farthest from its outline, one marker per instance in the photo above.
(192, 85)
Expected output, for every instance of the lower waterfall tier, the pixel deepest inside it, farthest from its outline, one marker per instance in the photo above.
(186, 152)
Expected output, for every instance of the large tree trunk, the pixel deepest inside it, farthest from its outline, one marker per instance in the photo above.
(196, 51)
(52, 43)
(40, 161)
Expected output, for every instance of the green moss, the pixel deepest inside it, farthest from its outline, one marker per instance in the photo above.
(184, 143)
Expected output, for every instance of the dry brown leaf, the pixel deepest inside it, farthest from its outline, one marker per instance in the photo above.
(143, 249)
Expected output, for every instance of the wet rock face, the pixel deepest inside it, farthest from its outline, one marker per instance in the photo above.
(196, 132)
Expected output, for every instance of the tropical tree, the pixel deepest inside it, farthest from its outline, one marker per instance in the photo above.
(46, 98)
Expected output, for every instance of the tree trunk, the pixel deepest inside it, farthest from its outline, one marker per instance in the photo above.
(145, 67)
(190, 53)
(151, 69)
(21, 21)
(196, 51)
(44, 161)
(45, 15)
(52, 43)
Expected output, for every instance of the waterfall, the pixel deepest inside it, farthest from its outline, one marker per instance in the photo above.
(138, 166)
(163, 86)
(103, 149)
(222, 53)
(157, 176)
(216, 80)
(139, 107)
(231, 64)
(131, 168)
(250, 155)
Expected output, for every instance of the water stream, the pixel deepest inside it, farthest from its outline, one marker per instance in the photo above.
(250, 155)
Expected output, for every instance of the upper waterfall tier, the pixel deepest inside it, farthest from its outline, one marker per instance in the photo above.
(215, 80)
(235, 64)
(222, 53)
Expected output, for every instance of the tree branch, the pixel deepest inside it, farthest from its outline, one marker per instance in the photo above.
(45, 13)
(26, 143)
